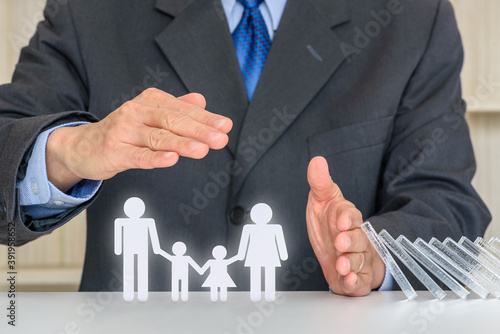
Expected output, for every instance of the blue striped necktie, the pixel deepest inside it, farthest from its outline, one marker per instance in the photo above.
(252, 44)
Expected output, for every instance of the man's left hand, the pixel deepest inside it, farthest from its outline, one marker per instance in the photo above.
(350, 264)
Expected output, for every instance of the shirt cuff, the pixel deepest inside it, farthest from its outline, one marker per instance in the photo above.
(388, 282)
(38, 196)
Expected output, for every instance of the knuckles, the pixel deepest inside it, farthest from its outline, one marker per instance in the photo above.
(199, 132)
(156, 139)
(175, 120)
(188, 109)
(129, 108)
(140, 157)
(155, 94)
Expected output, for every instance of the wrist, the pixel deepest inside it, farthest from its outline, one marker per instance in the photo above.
(58, 149)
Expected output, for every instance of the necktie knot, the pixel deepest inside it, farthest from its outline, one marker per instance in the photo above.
(249, 4)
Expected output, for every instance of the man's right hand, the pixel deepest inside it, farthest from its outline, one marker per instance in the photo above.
(150, 131)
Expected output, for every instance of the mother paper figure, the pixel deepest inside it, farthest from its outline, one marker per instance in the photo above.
(264, 246)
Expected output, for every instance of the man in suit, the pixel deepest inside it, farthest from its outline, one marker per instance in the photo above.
(370, 85)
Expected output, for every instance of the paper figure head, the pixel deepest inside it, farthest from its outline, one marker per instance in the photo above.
(261, 214)
(219, 252)
(134, 207)
(179, 248)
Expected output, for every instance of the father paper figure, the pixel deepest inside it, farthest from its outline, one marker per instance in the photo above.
(131, 238)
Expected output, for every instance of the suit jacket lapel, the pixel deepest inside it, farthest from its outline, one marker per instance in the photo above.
(199, 47)
(304, 54)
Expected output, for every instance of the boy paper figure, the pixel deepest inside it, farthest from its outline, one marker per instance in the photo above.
(266, 246)
(131, 238)
(218, 279)
(180, 270)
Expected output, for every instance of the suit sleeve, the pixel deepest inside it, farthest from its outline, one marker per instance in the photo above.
(48, 88)
(425, 189)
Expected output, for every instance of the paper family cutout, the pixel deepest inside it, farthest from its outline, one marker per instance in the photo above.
(262, 245)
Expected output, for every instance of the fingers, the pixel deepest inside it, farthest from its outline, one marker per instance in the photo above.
(356, 285)
(351, 265)
(367, 274)
(350, 283)
(194, 98)
(185, 126)
(184, 117)
(359, 273)
(190, 105)
(222, 124)
(144, 158)
(350, 262)
(162, 140)
(344, 221)
(351, 241)
(320, 181)
(355, 276)
(342, 215)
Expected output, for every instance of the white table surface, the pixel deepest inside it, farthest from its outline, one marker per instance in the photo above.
(293, 312)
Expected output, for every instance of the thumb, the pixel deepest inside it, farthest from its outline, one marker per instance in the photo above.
(322, 186)
(194, 98)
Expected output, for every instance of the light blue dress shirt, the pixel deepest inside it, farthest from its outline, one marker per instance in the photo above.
(41, 199)
(38, 196)
(271, 11)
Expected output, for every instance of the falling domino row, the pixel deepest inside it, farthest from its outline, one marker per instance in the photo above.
(462, 266)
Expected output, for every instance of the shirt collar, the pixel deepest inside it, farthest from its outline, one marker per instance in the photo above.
(276, 8)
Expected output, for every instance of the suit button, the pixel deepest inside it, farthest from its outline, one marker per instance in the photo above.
(237, 215)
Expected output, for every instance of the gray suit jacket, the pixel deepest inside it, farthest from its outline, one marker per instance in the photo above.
(370, 85)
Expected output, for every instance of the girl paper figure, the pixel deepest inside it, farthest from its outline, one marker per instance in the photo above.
(218, 279)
